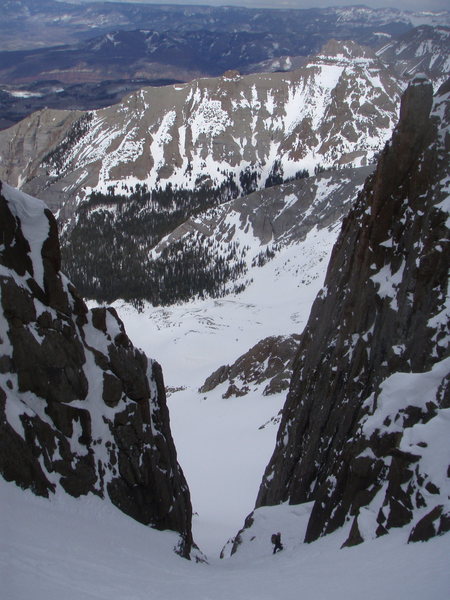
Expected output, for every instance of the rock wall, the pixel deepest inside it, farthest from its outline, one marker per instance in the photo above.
(80, 408)
(364, 432)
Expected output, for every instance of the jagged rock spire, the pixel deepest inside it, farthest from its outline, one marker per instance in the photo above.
(370, 380)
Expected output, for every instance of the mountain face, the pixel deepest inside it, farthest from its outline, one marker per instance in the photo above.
(81, 409)
(423, 50)
(364, 431)
(144, 254)
(231, 131)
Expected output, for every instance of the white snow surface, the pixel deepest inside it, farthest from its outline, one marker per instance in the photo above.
(87, 550)
(35, 225)
(220, 447)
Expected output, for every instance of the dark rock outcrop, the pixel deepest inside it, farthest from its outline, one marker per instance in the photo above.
(363, 425)
(80, 407)
(269, 361)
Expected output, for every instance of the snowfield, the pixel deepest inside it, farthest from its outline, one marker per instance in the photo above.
(87, 550)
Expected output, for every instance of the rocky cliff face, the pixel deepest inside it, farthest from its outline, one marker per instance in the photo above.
(364, 432)
(336, 110)
(81, 409)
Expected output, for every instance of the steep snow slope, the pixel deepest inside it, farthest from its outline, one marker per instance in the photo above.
(191, 340)
(76, 550)
(85, 549)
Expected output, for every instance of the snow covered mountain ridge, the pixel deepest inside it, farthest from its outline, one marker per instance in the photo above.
(143, 167)
(337, 110)
(424, 50)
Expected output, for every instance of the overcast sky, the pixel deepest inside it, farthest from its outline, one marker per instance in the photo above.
(403, 4)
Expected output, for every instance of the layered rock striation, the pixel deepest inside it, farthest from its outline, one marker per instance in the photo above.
(81, 409)
(364, 432)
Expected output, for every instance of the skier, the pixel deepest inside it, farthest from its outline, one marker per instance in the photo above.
(276, 541)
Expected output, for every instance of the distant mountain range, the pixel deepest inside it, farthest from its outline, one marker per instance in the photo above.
(30, 24)
(185, 55)
(149, 53)
(88, 56)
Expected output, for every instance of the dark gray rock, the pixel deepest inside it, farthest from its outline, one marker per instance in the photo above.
(80, 407)
(112, 389)
(269, 361)
(18, 459)
(430, 525)
(381, 312)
